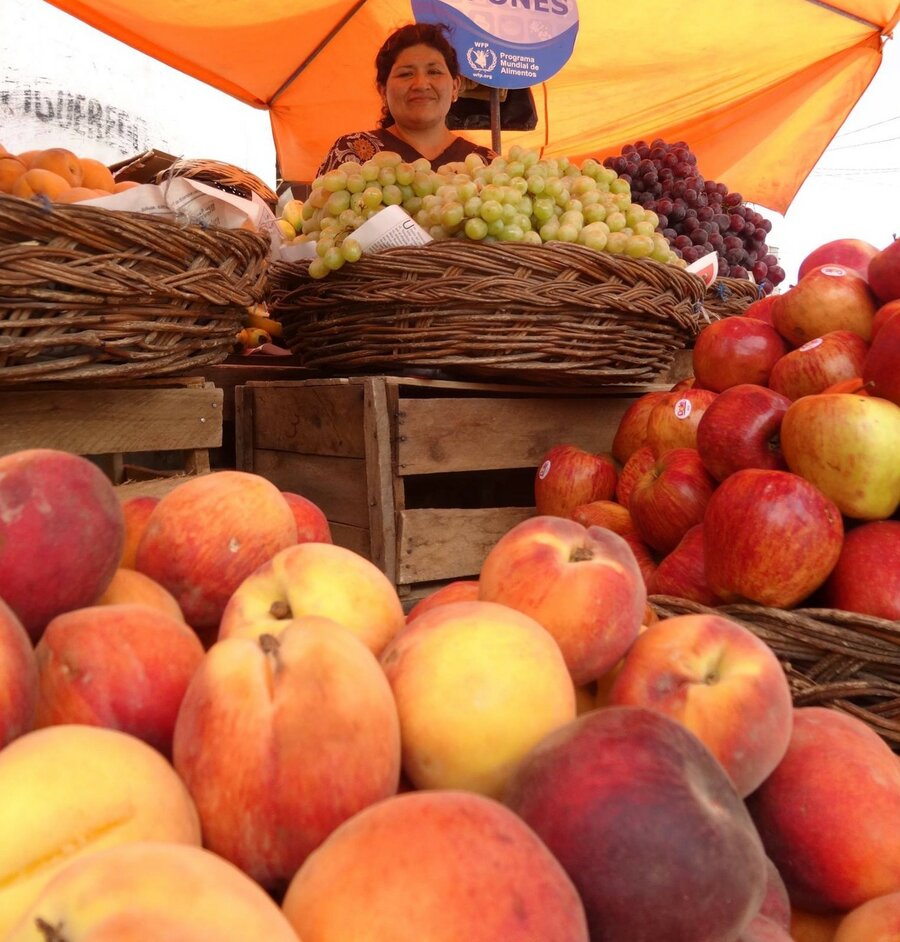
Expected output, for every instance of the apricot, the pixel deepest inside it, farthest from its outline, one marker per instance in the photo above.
(38, 182)
(11, 168)
(97, 175)
(60, 161)
(28, 156)
(124, 185)
(76, 194)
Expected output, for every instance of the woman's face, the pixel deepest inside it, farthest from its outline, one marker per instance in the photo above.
(420, 88)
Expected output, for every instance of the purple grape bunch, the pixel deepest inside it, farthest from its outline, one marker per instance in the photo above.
(698, 216)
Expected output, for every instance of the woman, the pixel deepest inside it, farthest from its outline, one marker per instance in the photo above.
(417, 76)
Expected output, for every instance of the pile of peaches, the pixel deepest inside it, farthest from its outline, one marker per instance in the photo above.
(57, 174)
(217, 724)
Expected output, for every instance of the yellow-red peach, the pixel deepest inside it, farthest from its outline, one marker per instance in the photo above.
(813, 927)
(441, 866)
(463, 590)
(130, 587)
(136, 511)
(312, 524)
(878, 920)
(18, 677)
(279, 740)
(68, 790)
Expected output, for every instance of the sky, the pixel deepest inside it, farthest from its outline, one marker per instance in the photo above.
(129, 103)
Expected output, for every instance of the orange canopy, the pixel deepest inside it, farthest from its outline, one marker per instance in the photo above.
(758, 89)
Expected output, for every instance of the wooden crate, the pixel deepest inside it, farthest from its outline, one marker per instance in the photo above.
(420, 476)
(125, 429)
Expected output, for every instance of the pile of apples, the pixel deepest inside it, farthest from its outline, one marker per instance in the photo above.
(217, 724)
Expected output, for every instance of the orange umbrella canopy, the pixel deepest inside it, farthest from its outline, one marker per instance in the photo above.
(757, 89)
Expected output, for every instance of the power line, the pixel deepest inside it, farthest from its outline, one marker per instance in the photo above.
(886, 140)
(866, 127)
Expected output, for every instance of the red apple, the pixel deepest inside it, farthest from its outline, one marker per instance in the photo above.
(884, 273)
(643, 555)
(761, 309)
(740, 430)
(884, 314)
(673, 421)
(631, 432)
(18, 677)
(633, 469)
(670, 498)
(643, 818)
(682, 573)
(736, 350)
(866, 578)
(851, 253)
(848, 447)
(569, 476)
(719, 680)
(582, 584)
(813, 367)
(882, 367)
(770, 537)
(828, 298)
(61, 534)
(312, 524)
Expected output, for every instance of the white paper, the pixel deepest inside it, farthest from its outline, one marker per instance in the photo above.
(390, 228)
(706, 267)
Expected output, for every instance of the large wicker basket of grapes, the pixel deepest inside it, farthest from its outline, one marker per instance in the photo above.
(539, 271)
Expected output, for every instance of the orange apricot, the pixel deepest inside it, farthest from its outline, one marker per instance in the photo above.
(38, 182)
(11, 168)
(27, 156)
(75, 194)
(125, 185)
(62, 162)
(97, 175)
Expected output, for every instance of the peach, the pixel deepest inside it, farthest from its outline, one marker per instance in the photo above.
(18, 677)
(776, 904)
(719, 680)
(582, 584)
(208, 534)
(463, 590)
(813, 927)
(441, 866)
(280, 740)
(152, 890)
(130, 587)
(136, 511)
(66, 791)
(61, 534)
(312, 524)
(878, 920)
(316, 579)
(477, 685)
(643, 819)
(844, 848)
(122, 667)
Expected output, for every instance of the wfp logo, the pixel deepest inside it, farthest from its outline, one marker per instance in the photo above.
(481, 58)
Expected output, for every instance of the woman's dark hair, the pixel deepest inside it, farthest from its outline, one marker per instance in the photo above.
(434, 35)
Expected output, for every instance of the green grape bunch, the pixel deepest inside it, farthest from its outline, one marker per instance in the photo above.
(517, 198)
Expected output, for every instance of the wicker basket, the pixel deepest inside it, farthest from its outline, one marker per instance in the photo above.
(222, 175)
(726, 297)
(832, 658)
(556, 313)
(92, 294)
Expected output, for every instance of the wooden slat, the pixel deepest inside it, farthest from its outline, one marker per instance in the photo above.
(436, 435)
(316, 420)
(379, 475)
(336, 485)
(157, 487)
(450, 544)
(244, 419)
(103, 421)
(353, 538)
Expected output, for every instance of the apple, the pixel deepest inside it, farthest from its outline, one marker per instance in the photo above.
(464, 723)
(736, 350)
(884, 314)
(582, 584)
(761, 309)
(769, 537)
(856, 385)
(843, 848)
(18, 677)
(848, 447)
(157, 890)
(609, 514)
(719, 680)
(850, 253)
(208, 534)
(866, 578)
(122, 667)
(741, 430)
(817, 364)
(631, 432)
(130, 587)
(136, 512)
(877, 920)
(61, 534)
(670, 498)
(681, 573)
(643, 555)
(827, 298)
(312, 524)
(880, 370)
(640, 461)
(316, 579)
(462, 590)
(643, 818)
(884, 273)
(279, 740)
(441, 866)
(68, 791)
(569, 476)
(673, 421)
